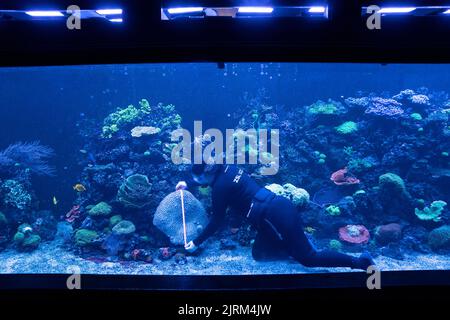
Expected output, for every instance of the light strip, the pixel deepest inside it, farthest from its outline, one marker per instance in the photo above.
(106, 12)
(397, 10)
(447, 12)
(317, 10)
(255, 10)
(116, 20)
(184, 10)
(44, 13)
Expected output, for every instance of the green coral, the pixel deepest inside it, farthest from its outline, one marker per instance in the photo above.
(333, 210)
(416, 116)
(347, 127)
(84, 237)
(18, 238)
(320, 107)
(25, 240)
(357, 165)
(119, 118)
(131, 114)
(390, 183)
(335, 245)
(31, 242)
(433, 212)
(115, 220)
(145, 106)
(439, 238)
(100, 209)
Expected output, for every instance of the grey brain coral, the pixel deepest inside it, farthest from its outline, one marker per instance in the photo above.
(168, 217)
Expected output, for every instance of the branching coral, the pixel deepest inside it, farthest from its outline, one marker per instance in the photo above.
(347, 127)
(325, 108)
(433, 212)
(16, 195)
(28, 155)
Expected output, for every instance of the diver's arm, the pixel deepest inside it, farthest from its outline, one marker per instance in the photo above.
(218, 216)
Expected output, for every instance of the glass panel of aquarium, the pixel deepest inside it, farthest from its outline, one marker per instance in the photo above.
(254, 168)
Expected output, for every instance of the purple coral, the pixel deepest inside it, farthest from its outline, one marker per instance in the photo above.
(385, 107)
(31, 155)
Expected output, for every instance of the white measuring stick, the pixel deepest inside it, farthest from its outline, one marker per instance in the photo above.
(184, 217)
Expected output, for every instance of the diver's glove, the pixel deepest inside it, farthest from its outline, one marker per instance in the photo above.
(181, 185)
(190, 247)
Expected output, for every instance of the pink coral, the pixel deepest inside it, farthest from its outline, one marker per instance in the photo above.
(354, 234)
(73, 214)
(342, 177)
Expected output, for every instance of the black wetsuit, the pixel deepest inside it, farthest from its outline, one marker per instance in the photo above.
(279, 225)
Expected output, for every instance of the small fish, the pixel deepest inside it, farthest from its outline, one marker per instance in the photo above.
(55, 201)
(79, 187)
(83, 151)
(310, 230)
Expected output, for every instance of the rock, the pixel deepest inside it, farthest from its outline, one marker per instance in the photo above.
(168, 217)
(388, 233)
(393, 251)
(180, 258)
(439, 238)
(227, 244)
(64, 232)
(166, 253)
(124, 228)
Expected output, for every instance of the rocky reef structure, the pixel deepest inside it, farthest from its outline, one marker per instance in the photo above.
(168, 217)
(374, 168)
(393, 151)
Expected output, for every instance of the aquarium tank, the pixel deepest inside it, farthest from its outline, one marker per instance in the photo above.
(354, 158)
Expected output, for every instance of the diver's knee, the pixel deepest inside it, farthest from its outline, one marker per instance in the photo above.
(307, 260)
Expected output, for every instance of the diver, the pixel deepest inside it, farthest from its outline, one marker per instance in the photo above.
(277, 221)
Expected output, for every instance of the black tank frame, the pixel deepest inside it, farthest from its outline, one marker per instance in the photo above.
(144, 38)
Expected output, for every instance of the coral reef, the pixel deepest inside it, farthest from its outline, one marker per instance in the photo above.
(298, 196)
(15, 195)
(135, 192)
(356, 234)
(433, 212)
(439, 238)
(100, 209)
(27, 156)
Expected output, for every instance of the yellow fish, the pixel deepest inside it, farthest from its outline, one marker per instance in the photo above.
(79, 187)
(55, 201)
